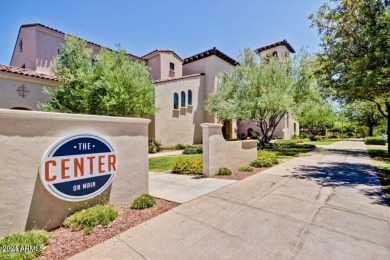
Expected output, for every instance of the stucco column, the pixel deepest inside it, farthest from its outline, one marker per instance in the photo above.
(212, 133)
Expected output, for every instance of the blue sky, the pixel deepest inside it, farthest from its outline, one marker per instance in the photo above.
(187, 26)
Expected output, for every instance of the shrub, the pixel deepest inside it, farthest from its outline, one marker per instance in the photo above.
(333, 137)
(88, 219)
(175, 147)
(193, 149)
(181, 146)
(154, 146)
(184, 165)
(34, 238)
(267, 156)
(224, 171)
(246, 169)
(260, 163)
(304, 135)
(375, 140)
(142, 202)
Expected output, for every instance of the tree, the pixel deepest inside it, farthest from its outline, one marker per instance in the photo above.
(354, 61)
(365, 114)
(316, 115)
(263, 93)
(115, 85)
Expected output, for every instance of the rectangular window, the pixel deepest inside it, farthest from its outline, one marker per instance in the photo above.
(172, 66)
(93, 62)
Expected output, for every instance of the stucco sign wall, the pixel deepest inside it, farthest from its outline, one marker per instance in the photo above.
(54, 164)
(78, 167)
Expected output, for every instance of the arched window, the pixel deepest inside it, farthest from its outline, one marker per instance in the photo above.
(189, 97)
(183, 99)
(275, 54)
(175, 101)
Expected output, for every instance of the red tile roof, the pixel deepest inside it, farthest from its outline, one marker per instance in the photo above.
(162, 50)
(178, 78)
(284, 42)
(52, 29)
(213, 51)
(26, 72)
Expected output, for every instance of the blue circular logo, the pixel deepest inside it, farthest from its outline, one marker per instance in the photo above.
(78, 167)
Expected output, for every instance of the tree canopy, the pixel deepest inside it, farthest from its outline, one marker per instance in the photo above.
(354, 63)
(261, 92)
(113, 85)
(365, 113)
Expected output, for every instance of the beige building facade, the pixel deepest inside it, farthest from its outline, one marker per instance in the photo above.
(182, 85)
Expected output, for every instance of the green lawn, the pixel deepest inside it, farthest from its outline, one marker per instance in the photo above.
(381, 161)
(164, 163)
(283, 153)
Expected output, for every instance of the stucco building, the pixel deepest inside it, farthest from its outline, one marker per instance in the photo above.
(182, 85)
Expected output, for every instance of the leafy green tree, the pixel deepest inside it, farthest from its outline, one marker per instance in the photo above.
(263, 93)
(365, 114)
(316, 115)
(115, 85)
(354, 61)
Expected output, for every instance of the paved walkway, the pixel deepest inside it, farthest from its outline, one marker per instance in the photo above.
(182, 188)
(325, 205)
(167, 153)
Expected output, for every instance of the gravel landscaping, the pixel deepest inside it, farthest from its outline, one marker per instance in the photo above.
(65, 243)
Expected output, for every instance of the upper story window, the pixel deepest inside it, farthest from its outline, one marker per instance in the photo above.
(172, 66)
(275, 54)
(183, 99)
(189, 97)
(20, 44)
(175, 101)
(93, 61)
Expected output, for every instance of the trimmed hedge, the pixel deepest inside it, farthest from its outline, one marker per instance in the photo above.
(193, 149)
(260, 163)
(224, 171)
(184, 165)
(175, 147)
(375, 140)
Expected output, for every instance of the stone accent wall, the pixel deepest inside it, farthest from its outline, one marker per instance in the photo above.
(217, 152)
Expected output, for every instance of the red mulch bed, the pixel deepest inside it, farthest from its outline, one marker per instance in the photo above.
(239, 175)
(65, 243)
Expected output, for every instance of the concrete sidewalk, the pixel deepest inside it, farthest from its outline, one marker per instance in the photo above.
(182, 188)
(325, 205)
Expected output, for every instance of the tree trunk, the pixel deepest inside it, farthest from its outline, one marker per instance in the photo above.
(371, 131)
(388, 131)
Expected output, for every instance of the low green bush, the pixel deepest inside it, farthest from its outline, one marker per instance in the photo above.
(224, 171)
(267, 156)
(175, 147)
(193, 149)
(154, 146)
(144, 201)
(245, 169)
(88, 219)
(259, 163)
(294, 141)
(184, 165)
(375, 140)
(30, 245)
